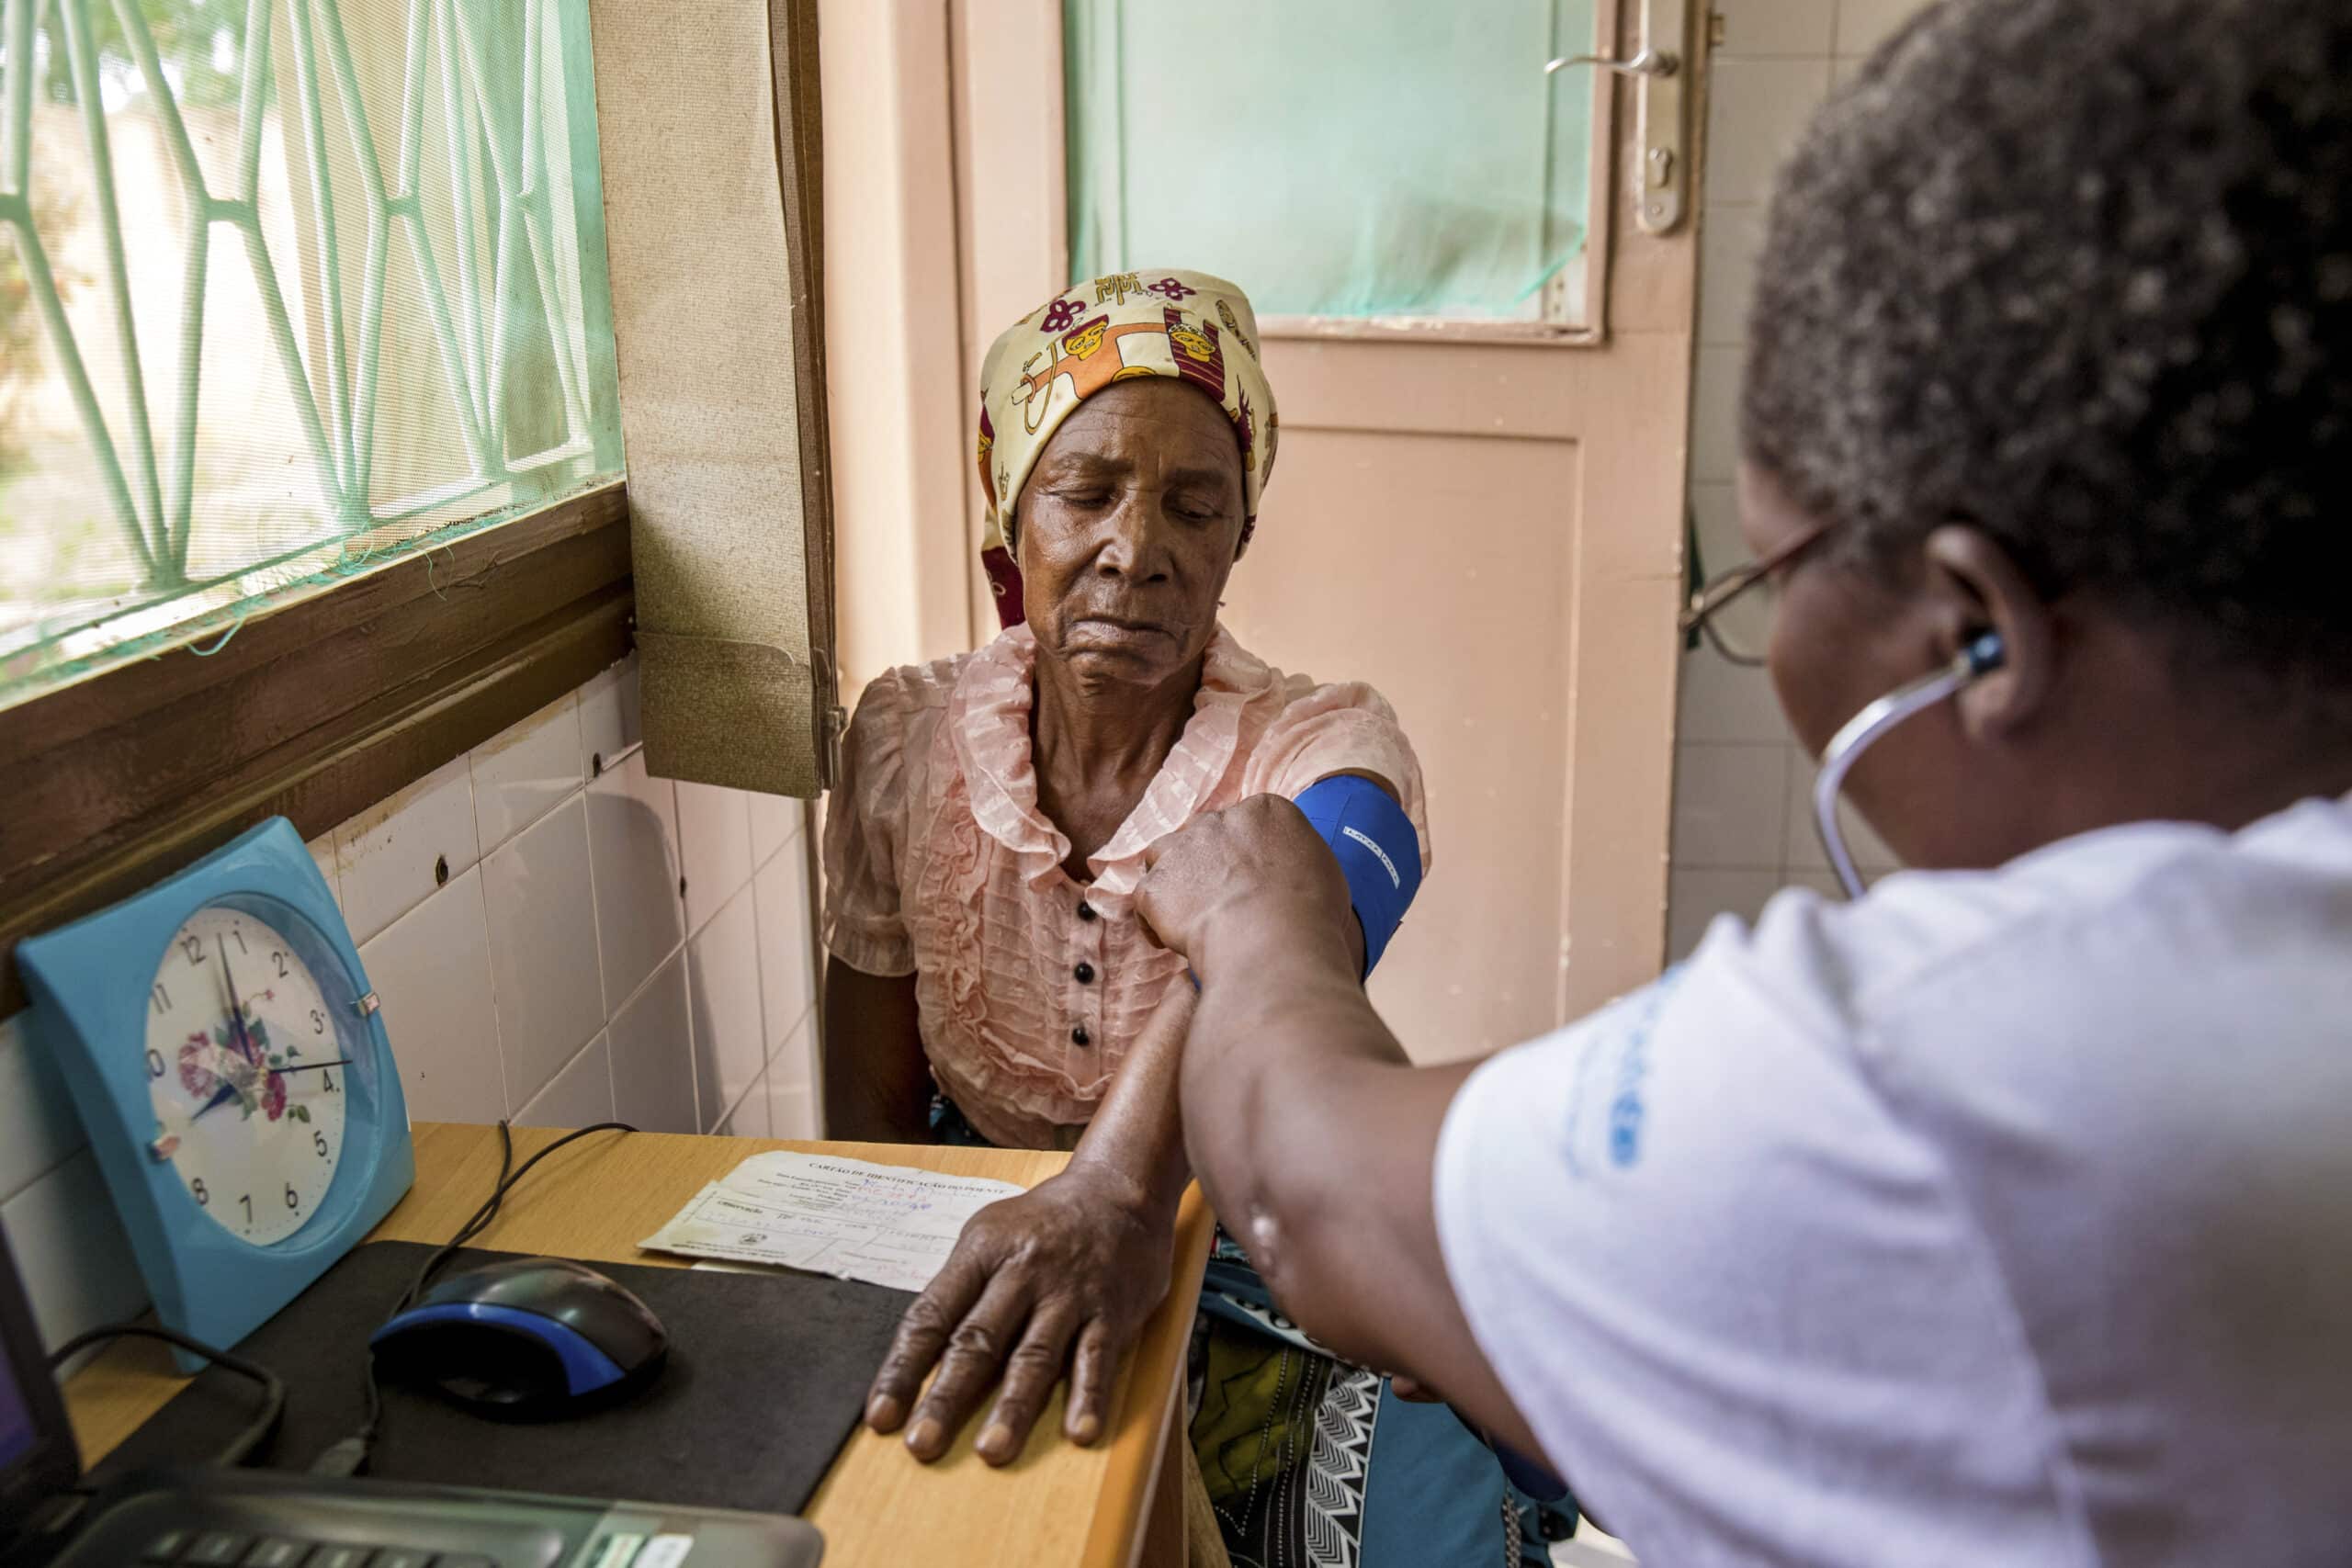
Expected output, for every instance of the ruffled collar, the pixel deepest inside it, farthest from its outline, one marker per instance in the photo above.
(988, 723)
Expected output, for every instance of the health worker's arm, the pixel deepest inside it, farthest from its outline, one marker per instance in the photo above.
(1313, 1134)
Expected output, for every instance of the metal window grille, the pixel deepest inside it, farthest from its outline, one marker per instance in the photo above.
(436, 351)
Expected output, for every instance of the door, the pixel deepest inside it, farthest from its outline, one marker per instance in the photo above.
(1482, 361)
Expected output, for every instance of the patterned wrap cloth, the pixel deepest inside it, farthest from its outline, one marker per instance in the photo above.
(1189, 325)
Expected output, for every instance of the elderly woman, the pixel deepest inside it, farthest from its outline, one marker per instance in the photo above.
(987, 976)
(2003, 1214)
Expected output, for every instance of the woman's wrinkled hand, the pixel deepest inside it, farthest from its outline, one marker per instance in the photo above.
(1055, 1281)
(1259, 854)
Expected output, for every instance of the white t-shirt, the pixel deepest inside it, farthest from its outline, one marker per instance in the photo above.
(2000, 1218)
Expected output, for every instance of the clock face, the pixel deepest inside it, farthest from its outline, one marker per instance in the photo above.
(248, 1096)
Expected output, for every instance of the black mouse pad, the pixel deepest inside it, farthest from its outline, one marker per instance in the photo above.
(766, 1376)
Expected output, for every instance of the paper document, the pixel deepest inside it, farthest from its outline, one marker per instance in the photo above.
(888, 1224)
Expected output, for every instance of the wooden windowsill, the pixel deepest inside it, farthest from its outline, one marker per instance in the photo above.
(313, 711)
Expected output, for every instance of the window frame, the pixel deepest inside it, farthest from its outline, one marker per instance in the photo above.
(316, 710)
(323, 704)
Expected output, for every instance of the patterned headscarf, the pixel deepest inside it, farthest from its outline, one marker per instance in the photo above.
(1186, 324)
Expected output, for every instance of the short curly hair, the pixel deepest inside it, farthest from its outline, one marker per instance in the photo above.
(2079, 272)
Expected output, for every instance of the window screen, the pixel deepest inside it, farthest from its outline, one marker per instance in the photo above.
(1335, 157)
(286, 286)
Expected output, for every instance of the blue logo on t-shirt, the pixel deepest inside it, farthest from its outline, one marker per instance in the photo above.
(1607, 1107)
(1626, 1109)
(1625, 1127)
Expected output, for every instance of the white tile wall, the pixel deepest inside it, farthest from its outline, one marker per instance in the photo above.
(608, 723)
(37, 1126)
(1763, 28)
(715, 840)
(633, 852)
(1743, 815)
(1714, 415)
(750, 1117)
(431, 969)
(793, 1110)
(775, 820)
(1695, 898)
(787, 978)
(1728, 246)
(1730, 806)
(526, 772)
(391, 857)
(71, 1249)
(723, 975)
(541, 905)
(653, 1053)
(579, 1096)
(520, 916)
(1723, 701)
(1759, 106)
(1864, 25)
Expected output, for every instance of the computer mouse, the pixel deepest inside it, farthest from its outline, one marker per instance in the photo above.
(530, 1338)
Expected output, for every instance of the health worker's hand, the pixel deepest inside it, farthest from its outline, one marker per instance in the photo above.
(1056, 1282)
(1259, 859)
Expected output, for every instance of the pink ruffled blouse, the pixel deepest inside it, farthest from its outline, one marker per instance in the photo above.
(939, 864)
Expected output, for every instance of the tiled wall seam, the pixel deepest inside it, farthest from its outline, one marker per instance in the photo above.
(414, 875)
(1742, 825)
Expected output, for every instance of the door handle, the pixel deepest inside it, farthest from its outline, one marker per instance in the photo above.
(1648, 62)
(1661, 174)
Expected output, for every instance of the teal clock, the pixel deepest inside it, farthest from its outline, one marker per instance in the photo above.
(229, 1062)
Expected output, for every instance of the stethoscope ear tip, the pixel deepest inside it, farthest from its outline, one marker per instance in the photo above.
(1984, 654)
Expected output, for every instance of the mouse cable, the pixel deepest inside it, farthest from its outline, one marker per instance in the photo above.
(273, 1393)
(483, 1216)
(350, 1456)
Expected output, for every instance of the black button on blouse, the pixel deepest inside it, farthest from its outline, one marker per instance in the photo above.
(1080, 1037)
(1085, 973)
(1086, 911)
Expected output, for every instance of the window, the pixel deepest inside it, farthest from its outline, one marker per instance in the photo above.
(313, 313)
(1422, 165)
(279, 302)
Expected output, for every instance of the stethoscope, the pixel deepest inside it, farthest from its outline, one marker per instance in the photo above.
(1972, 663)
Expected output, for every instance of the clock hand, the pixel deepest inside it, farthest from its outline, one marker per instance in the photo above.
(221, 1097)
(228, 1091)
(236, 1008)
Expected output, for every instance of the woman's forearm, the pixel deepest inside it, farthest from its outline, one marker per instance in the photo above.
(1137, 1135)
(876, 1081)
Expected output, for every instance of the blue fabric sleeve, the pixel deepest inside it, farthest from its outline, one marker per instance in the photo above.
(1378, 852)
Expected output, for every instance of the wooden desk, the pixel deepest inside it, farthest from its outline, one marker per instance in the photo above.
(1104, 1508)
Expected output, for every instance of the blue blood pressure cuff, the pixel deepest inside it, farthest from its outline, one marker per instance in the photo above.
(1378, 849)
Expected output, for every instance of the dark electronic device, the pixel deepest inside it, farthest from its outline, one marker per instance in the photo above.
(214, 1517)
(526, 1339)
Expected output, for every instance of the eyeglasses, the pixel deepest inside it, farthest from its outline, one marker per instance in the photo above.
(1734, 609)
